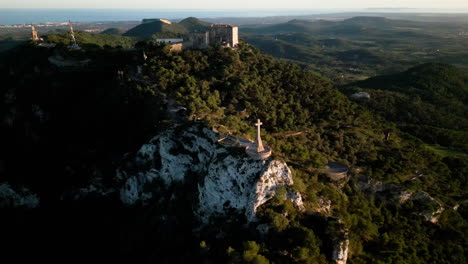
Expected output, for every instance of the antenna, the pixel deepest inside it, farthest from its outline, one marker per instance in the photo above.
(34, 38)
(73, 45)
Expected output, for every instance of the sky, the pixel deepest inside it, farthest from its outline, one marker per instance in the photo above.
(237, 4)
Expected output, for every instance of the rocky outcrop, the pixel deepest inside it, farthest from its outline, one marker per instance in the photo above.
(9, 198)
(431, 208)
(323, 206)
(340, 252)
(96, 188)
(226, 178)
(427, 206)
(340, 244)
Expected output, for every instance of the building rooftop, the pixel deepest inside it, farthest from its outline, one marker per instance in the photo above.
(335, 167)
(223, 25)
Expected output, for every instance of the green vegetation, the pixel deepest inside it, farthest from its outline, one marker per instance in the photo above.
(11, 37)
(113, 31)
(92, 116)
(446, 152)
(359, 47)
(428, 101)
(159, 29)
(215, 84)
(100, 40)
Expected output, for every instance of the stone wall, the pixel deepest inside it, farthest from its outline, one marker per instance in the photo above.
(170, 40)
(198, 40)
(224, 35)
(218, 35)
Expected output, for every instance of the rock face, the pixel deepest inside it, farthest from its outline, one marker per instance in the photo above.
(361, 95)
(14, 199)
(323, 206)
(435, 209)
(340, 244)
(340, 252)
(226, 178)
(428, 207)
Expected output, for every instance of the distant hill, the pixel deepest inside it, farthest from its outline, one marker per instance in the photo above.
(429, 101)
(113, 31)
(361, 47)
(352, 26)
(193, 24)
(152, 27)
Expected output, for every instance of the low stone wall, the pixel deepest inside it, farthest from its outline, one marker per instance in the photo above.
(265, 154)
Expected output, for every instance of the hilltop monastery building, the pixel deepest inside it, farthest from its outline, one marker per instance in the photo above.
(218, 35)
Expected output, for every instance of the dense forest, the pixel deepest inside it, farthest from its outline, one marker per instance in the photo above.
(75, 123)
(216, 85)
(427, 101)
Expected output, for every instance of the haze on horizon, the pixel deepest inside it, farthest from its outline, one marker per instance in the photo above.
(240, 4)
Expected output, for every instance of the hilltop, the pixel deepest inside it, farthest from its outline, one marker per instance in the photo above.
(113, 31)
(167, 28)
(101, 141)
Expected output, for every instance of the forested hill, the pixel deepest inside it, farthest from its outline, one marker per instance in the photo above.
(428, 101)
(65, 128)
(162, 29)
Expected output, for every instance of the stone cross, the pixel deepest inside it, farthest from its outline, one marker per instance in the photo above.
(259, 139)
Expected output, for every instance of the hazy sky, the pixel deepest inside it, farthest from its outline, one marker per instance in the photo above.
(239, 4)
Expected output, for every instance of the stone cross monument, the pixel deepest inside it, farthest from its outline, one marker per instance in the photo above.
(259, 139)
(258, 150)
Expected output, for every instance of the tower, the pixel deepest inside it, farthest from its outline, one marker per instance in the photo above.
(73, 45)
(34, 38)
(224, 35)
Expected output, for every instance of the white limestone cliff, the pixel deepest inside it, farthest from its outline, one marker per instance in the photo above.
(340, 252)
(227, 178)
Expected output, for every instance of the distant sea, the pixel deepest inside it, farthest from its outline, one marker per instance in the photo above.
(13, 16)
(26, 16)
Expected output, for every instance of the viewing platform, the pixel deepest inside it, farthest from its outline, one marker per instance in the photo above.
(265, 154)
(255, 149)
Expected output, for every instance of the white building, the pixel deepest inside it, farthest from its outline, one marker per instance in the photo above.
(170, 40)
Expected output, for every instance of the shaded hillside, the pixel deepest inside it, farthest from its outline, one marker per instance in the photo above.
(192, 24)
(215, 84)
(428, 101)
(66, 131)
(162, 29)
(113, 31)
